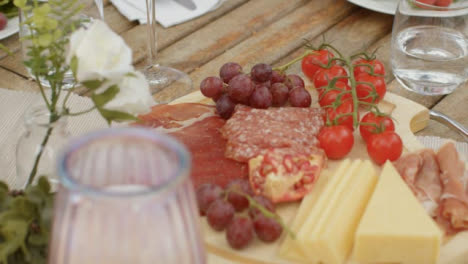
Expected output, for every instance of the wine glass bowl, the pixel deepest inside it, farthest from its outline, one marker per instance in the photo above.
(430, 47)
(166, 83)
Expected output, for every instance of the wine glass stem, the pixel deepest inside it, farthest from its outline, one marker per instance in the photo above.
(100, 6)
(151, 27)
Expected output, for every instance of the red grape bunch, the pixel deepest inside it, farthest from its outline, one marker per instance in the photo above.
(241, 217)
(262, 88)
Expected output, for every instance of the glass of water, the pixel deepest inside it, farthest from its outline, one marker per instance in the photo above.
(125, 197)
(430, 46)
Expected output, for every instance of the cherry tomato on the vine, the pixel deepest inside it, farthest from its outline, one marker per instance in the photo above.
(339, 85)
(383, 122)
(346, 107)
(364, 90)
(330, 96)
(312, 62)
(324, 76)
(376, 65)
(384, 146)
(336, 141)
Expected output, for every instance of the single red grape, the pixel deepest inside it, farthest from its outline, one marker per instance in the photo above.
(293, 81)
(277, 77)
(240, 232)
(238, 200)
(300, 97)
(219, 214)
(266, 84)
(240, 88)
(212, 87)
(225, 106)
(229, 70)
(261, 98)
(3, 21)
(280, 94)
(263, 201)
(261, 72)
(267, 229)
(206, 194)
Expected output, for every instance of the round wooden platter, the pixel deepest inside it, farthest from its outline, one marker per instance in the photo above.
(409, 117)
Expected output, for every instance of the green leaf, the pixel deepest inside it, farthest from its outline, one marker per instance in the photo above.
(38, 240)
(118, 116)
(14, 233)
(92, 85)
(131, 74)
(4, 186)
(103, 98)
(20, 205)
(43, 184)
(20, 3)
(74, 66)
(5, 49)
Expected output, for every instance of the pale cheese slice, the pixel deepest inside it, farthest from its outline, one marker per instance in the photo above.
(328, 237)
(338, 236)
(289, 248)
(395, 228)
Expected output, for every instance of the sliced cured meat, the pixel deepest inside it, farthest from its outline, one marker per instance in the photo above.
(428, 178)
(250, 131)
(439, 181)
(454, 200)
(176, 116)
(196, 126)
(421, 173)
(408, 166)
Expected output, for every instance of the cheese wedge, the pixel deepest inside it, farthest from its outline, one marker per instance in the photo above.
(289, 248)
(395, 228)
(327, 220)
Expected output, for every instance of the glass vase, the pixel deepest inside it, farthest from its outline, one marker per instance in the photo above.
(92, 9)
(38, 146)
(125, 197)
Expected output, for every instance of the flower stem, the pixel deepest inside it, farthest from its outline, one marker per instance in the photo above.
(82, 112)
(33, 172)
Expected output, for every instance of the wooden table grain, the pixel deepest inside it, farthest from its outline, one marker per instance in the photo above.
(271, 31)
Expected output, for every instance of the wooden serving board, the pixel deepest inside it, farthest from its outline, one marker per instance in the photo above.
(409, 117)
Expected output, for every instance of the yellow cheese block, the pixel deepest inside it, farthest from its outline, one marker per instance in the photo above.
(395, 228)
(289, 248)
(327, 219)
(330, 239)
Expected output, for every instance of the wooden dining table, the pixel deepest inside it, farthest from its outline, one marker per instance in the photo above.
(249, 32)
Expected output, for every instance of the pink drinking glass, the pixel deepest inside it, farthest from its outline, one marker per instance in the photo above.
(126, 198)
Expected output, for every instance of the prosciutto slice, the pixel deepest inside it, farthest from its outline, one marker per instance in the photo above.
(454, 204)
(421, 173)
(198, 128)
(439, 181)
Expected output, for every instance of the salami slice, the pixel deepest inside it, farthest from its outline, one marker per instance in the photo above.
(198, 128)
(250, 131)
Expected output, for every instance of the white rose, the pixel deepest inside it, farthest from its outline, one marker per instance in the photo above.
(101, 53)
(134, 96)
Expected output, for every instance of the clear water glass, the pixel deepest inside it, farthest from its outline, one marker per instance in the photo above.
(126, 197)
(430, 46)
